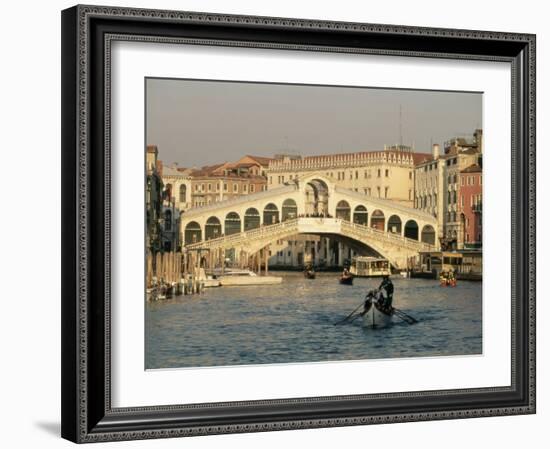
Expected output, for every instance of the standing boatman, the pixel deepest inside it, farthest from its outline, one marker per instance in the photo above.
(387, 286)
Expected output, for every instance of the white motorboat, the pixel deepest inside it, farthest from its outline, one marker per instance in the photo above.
(246, 277)
(210, 282)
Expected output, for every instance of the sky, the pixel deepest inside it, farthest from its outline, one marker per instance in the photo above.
(200, 122)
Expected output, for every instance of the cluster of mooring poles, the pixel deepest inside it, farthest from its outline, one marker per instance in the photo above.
(172, 274)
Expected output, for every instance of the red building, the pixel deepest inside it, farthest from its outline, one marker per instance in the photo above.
(470, 205)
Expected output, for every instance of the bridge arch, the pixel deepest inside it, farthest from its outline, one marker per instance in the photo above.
(316, 192)
(360, 215)
(411, 230)
(193, 233)
(395, 225)
(428, 234)
(232, 223)
(343, 210)
(271, 214)
(319, 179)
(289, 209)
(378, 220)
(251, 219)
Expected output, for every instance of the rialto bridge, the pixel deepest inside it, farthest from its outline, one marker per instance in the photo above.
(313, 206)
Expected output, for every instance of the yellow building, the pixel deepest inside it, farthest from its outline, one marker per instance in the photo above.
(385, 174)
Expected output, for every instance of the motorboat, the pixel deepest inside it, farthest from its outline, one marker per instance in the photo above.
(246, 277)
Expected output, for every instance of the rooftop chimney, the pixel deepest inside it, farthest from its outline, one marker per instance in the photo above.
(435, 151)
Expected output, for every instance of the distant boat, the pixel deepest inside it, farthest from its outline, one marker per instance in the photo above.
(366, 266)
(447, 279)
(346, 279)
(309, 273)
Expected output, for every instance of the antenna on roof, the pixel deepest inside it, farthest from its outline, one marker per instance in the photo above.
(400, 127)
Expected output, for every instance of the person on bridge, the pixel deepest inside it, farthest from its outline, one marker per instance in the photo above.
(387, 286)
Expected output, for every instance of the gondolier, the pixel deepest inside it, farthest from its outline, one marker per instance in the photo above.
(387, 286)
(346, 278)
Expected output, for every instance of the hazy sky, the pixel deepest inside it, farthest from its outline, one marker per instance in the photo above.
(199, 123)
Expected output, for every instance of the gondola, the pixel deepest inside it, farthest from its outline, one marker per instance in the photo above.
(309, 274)
(346, 279)
(377, 317)
(447, 279)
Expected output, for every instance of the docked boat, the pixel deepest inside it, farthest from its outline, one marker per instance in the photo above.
(210, 282)
(246, 277)
(156, 293)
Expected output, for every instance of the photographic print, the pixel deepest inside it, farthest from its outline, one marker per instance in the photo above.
(292, 223)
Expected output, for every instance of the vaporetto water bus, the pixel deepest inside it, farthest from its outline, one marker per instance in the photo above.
(367, 266)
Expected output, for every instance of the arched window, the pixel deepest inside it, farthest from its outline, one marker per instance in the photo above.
(183, 193)
(343, 210)
(290, 209)
(193, 233)
(360, 215)
(251, 219)
(411, 230)
(428, 235)
(377, 220)
(271, 214)
(232, 223)
(394, 225)
(213, 228)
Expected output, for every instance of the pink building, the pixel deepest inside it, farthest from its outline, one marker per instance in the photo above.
(470, 205)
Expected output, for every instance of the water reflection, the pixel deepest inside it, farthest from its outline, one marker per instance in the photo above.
(294, 322)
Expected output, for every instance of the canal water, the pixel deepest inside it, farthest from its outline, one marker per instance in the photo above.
(294, 322)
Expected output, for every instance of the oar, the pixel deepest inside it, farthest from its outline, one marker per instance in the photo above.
(405, 317)
(356, 316)
(349, 316)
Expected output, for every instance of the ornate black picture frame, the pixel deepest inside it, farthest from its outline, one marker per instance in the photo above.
(87, 33)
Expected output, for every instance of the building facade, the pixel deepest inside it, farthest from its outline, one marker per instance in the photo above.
(437, 185)
(387, 174)
(162, 215)
(470, 205)
(153, 200)
(210, 184)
